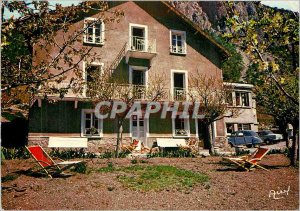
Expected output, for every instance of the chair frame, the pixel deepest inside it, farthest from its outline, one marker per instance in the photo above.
(247, 160)
(59, 170)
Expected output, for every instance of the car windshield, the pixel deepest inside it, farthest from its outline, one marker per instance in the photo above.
(268, 132)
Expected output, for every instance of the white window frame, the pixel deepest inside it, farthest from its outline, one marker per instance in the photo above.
(233, 128)
(186, 127)
(240, 98)
(184, 45)
(243, 126)
(134, 25)
(100, 124)
(102, 34)
(84, 75)
(141, 68)
(185, 81)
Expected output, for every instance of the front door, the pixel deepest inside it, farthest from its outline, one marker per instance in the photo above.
(138, 128)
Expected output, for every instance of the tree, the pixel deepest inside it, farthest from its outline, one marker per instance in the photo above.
(37, 30)
(261, 37)
(277, 105)
(271, 41)
(212, 96)
(113, 87)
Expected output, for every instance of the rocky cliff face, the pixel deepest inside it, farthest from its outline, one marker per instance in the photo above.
(211, 15)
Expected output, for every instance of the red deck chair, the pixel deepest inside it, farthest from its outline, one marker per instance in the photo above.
(250, 161)
(47, 163)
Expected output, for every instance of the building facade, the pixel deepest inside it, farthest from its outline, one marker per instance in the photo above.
(243, 99)
(151, 40)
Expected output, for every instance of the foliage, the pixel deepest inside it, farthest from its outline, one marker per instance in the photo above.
(270, 40)
(31, 49)
(14, 153)
(146, 178)
(80, 168)
(110, 168)
(112, 154)
(70, 154)
(233, 65)
(175, 153)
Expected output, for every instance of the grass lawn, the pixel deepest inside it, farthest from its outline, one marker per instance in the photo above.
(160, 177)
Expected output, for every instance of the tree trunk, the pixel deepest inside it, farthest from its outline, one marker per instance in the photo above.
(119, 135)
(293, 154)
(208, 139)
(212, 151)
(283, 129)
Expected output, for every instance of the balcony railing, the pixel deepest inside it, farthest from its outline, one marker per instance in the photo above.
(141, 44)
(178, 49)
(179, 94)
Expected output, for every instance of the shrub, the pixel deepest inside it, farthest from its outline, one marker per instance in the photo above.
(80, 168)
(14, 153)
(70, 154)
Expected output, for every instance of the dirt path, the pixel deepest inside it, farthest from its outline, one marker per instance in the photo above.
(227, 188)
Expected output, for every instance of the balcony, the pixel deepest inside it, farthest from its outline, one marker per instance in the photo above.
(141, 92)
(179, 94)
(141, 48)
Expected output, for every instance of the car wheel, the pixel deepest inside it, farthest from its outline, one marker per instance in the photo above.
(268, 141)
(249, 145)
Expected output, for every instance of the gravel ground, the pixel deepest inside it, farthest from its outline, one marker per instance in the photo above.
(228, 187)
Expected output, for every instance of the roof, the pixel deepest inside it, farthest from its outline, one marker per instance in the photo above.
(238, 85)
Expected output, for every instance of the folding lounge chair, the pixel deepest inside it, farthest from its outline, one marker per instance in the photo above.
(47, 163)
(250, 161)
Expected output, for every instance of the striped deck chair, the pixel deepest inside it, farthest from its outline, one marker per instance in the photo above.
(250, 161)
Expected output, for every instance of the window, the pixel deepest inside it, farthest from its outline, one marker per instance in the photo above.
(179, 85)
(92, 71)
(94, 32)
(181, 127)
(138, 37)
(229, 99)
(91, 125)
(242, 98)
(229, 128)
(244, 127)
(178, 42)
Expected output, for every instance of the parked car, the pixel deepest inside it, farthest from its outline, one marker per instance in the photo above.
(244, 137)
(269, 137)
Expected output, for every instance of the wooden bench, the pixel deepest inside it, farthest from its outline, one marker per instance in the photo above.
(170, 142)
(66, 142)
